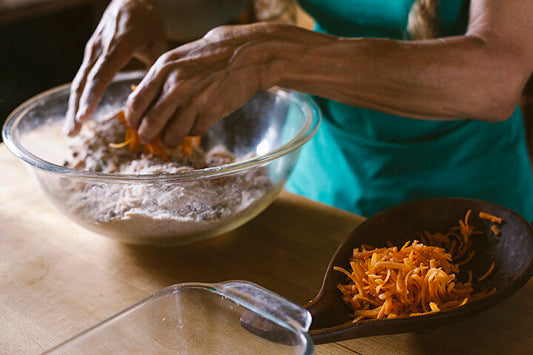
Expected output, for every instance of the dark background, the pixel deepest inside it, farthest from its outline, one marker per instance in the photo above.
(41, 50)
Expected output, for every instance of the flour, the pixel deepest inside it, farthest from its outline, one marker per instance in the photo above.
(159, 212)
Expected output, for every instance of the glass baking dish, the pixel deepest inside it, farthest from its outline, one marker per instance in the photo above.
(233, 317)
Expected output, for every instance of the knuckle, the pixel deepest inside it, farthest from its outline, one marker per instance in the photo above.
(76, 88)
(121, 45)
(107, 55)
(218, 33)
(176, 89)
(173, 91)
(92, 46)
(119, 38)
(162, 68)
(93, 78)
(164, 59)
(134, 105)
(169, 86)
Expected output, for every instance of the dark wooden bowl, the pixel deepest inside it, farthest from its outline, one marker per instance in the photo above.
(512, 253)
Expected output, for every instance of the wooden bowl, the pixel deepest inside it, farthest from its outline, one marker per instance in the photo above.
(512, 252)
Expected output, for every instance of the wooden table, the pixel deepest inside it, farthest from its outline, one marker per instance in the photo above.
(57, 279)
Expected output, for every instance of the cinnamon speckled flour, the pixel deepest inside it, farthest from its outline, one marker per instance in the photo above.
(159, 212)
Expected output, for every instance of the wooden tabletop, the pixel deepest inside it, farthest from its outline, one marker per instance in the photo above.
(57, 279)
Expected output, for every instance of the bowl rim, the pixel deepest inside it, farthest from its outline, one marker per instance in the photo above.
(312, 122)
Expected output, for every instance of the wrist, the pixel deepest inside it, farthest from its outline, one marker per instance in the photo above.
(286, 55)
(267, 47)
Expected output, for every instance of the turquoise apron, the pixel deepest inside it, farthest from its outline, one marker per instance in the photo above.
(365, 161)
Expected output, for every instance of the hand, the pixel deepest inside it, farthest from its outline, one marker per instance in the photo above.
(193, 86)
(128, 28)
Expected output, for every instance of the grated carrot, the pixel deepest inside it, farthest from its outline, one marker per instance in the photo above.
(490, 217)
(457, 241)
(487, 274)
(417, 279)
(156, 148)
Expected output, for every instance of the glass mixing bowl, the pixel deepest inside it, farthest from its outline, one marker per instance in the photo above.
(266, 135)
(233, 317)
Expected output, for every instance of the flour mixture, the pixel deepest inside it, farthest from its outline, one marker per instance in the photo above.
(157, 209)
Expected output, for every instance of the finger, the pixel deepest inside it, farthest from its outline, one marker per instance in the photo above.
(70, 127)
(92, 52)
(187, 117)
(139, 101)
(100, 76)
(157, 117)
(202, 124)
(179, 126)
(210, 107)
(206, 119)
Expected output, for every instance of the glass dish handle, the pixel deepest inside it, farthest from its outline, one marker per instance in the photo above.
(267, 304)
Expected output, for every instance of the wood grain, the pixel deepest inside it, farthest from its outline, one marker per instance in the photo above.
(58, 279)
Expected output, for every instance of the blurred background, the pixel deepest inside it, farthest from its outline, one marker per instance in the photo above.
(41, 45)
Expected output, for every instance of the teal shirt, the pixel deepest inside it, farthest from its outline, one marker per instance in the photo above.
(365, 161)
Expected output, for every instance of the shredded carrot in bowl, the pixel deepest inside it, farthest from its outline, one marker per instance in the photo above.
(416, 279)
(156, 148)
(490, 217)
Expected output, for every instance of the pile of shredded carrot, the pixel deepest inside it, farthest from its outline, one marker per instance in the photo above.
(457, 240)
(419, 278)
(156, 147)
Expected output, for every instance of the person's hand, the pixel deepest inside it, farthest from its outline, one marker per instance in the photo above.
(193, 86)
(128, 28)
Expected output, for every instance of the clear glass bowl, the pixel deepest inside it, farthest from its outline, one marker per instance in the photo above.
(171, 209)
(233, 317)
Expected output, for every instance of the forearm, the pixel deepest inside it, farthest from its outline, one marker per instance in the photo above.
(439, 79)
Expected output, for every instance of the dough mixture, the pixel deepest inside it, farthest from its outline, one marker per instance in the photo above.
(163, 209)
